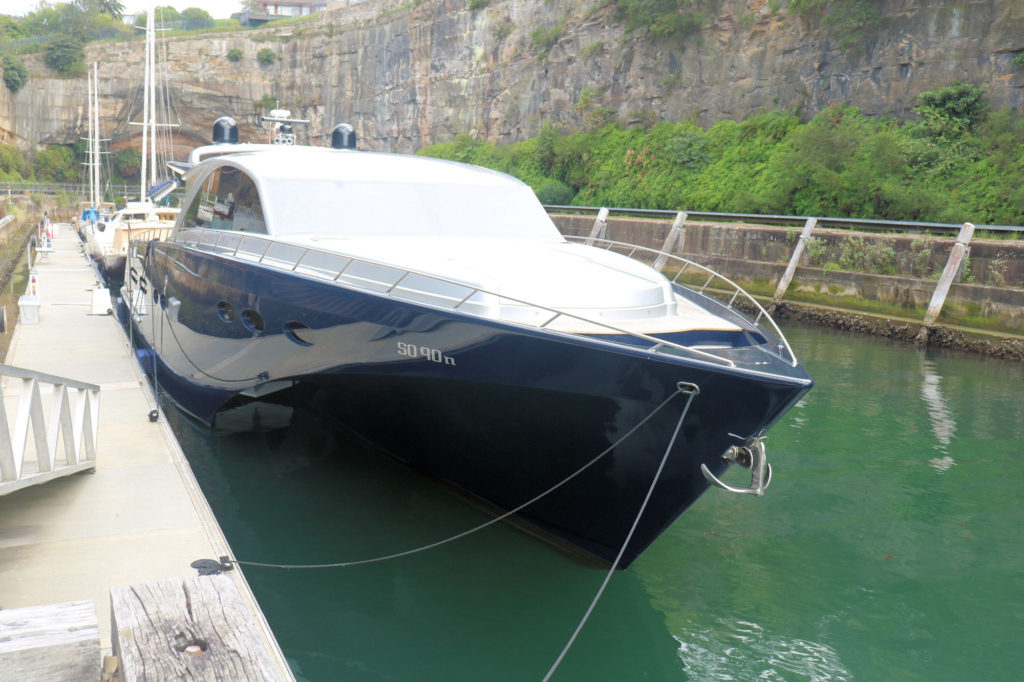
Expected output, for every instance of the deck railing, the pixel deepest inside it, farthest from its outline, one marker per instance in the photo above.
(425, 288)
(60, 412)
(710, 279)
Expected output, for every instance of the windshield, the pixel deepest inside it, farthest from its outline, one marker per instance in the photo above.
(421, 209)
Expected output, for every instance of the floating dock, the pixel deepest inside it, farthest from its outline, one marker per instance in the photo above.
(139, 515)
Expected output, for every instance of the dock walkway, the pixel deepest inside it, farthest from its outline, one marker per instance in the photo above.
(140, 516)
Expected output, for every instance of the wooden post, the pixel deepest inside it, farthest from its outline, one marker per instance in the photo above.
(197, 629)
(951, 272)
(794, 260)
(54, 642)
(600, 227)
(674, 240)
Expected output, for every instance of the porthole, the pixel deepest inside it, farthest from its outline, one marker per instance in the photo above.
(225, 311)
(253, 321)
(299, 333)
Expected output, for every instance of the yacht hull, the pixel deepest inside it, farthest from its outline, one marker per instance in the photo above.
(502, 412)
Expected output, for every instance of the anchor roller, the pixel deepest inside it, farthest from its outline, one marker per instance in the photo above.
(750, 455)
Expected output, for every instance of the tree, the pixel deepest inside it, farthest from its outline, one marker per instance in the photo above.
(56, 164)
(164, 14)
(15, 73)
(112, 8)
(127, 162)
(12, 163)
(9, 28)
(65, 55)
(195, 14)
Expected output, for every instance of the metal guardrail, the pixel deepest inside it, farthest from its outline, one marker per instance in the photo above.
(57, 409)
(398, 282)
(848, 223)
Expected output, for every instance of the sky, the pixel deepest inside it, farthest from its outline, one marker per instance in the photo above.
(218, 9)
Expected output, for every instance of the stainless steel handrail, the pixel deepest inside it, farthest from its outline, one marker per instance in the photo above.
(201, 240)
(737, 290)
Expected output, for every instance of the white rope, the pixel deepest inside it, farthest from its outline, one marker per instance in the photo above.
(692, 390)
(491, 522)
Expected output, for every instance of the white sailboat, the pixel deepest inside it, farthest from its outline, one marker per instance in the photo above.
(108, 241)
(94, 210)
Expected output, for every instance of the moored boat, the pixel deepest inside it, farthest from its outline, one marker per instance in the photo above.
(107, 239)
(434, 308)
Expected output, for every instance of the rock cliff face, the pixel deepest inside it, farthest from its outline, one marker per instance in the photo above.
(407, 74)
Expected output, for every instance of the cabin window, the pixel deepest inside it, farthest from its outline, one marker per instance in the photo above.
(228, 200)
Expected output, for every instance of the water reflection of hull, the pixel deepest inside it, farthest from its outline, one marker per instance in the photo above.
(501, 411)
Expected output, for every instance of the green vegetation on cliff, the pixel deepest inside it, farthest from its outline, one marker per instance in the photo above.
(60, 30)
(957, 163)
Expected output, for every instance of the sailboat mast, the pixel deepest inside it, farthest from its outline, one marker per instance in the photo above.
(146, 86)
(151, 35)
(92, 154)
(95, 142)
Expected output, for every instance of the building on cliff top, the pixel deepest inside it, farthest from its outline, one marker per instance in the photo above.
(267, 10)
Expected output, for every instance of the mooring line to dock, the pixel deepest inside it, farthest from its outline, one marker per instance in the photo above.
(691, 390)
(225, 563)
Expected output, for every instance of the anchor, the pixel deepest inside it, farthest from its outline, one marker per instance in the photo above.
(751, 455)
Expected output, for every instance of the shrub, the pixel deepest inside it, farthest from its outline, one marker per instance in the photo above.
(12, 163)
(593, 49)
(543, 38)
(15, 73)
(862, 255)
(817, 251)
(56, 164)
(556, 192)
(664, 19)
(64, 54)
(921, 257)
(953, 110)
(234, 54)
(474, 5)
(266, 56)
(127, 162)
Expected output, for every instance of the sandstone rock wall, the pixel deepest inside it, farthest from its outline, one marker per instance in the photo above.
(407, 74)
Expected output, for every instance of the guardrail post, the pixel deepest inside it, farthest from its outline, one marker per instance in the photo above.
(794, 260)
(676, 237)
(600, 227)
(951, 272)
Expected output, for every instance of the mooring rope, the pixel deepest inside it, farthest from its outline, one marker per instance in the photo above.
(691, 389)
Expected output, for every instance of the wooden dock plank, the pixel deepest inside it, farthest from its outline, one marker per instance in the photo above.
(50, 643)
(196, 628)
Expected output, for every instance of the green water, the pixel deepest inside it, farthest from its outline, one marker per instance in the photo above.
(889, 547)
